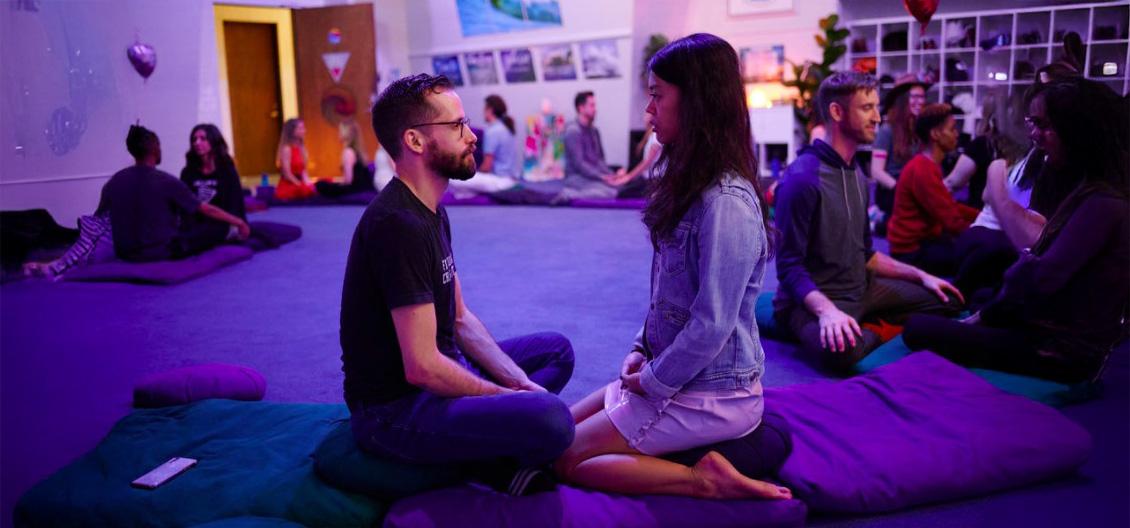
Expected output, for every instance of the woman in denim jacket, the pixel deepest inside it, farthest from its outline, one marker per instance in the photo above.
(693, 377)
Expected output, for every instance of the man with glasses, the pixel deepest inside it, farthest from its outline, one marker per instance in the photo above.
(424, 380)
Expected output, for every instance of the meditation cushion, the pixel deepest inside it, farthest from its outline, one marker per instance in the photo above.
(1050, 392)
(161, 272)
(609, 203)
(199, 382)
(341, 463)
(918, 431)
(360, 198)
(270, 235)
(569, 507)
(254, 461)
(758, 455)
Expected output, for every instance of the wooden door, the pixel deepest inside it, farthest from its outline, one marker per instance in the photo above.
(321, 38)
(252, 56)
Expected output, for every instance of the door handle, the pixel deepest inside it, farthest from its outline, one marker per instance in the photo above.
(274, 114)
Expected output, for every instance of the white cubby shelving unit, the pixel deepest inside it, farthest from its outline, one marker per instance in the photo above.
(998, 49)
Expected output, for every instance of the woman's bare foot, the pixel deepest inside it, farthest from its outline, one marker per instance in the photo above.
(717, 478)
(37, 269)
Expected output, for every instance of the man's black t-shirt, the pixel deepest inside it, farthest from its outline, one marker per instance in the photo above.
(400, 256)
(146, 207)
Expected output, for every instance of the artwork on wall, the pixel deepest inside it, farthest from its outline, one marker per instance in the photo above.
(484, 17)
(448, 65)
(557, 62)
(518, 65)
(757, 7)
(480, 68)
(763, 64)
(600, 59)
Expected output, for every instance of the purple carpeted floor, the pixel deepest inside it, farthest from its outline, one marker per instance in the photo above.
(70, 352)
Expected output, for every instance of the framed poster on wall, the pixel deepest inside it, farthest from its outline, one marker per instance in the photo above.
(757, 7)
(518, 65)
(448, 65)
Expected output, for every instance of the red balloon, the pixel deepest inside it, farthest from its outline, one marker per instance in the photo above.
(922, 10)
(143, 59)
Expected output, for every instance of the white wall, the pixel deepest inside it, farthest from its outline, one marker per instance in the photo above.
(436, 31)
(677, 18)
(73, 55)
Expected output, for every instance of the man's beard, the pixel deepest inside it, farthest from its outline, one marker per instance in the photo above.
(451, 165)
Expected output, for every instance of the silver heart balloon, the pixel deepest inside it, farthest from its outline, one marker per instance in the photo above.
(143, 59)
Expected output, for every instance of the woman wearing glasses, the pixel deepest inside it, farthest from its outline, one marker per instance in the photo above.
(693, 376)
(1061, 308)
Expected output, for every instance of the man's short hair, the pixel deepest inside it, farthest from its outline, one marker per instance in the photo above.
(140, 141)
(581, 98)
(839, 88)
(402, 104)
(931, 116)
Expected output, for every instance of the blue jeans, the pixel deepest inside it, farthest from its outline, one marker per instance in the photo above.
(529, 428)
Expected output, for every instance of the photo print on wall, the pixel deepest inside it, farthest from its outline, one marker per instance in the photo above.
(480, 68)
(557, 62)
(600, 59)
(448, 65)
(518, 65)
(484, 17)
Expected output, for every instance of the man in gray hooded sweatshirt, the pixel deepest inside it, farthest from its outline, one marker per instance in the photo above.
(831, 279)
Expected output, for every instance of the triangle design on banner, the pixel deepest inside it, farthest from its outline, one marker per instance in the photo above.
(335, 63)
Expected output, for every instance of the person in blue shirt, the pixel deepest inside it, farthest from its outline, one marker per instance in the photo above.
(500, 147)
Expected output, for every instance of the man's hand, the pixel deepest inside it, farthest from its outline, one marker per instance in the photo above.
(525, 384)
(940, 287)
(243, 229)
(837, 329)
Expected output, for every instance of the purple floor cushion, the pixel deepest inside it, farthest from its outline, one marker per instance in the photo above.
(340, 463)
(199, 382)
(162, 272)
(478, 199)
(575, 508)
(270, 235)
(917, 431)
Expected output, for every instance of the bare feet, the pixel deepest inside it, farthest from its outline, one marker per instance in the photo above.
(717, 478)
(37, 269)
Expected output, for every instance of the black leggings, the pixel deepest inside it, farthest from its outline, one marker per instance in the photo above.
(1005, 349)
(983, 255)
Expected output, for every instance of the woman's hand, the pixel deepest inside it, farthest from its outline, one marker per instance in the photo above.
(632, 383)
(633, 363)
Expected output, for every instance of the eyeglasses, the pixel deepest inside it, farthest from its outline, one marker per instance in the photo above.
(461, 123)
(1037, 122)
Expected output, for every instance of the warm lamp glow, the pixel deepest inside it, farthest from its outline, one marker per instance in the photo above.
(765, 95)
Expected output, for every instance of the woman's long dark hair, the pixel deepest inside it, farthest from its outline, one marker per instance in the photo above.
(220, 155)
(714, 135)
(1093, 126)
(498, 107)
(905, 142)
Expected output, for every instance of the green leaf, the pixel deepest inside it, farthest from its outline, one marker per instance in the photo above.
(821, 41)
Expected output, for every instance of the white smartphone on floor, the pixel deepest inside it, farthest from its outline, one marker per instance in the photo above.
(164, 473)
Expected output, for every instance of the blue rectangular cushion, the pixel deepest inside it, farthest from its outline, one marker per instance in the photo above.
(918, 431)
(570, 507)
(161, 272)
(254, 462)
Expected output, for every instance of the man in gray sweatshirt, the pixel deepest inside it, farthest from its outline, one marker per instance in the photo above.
(586, 173)
(831, 279)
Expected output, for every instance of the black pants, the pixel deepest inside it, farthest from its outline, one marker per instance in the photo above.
(198, 236)
(937, 256)
(1005, 349)
(892, 300)
(983, 255)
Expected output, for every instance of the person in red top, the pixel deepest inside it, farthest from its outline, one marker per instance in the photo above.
(294, 183)
(926, 217)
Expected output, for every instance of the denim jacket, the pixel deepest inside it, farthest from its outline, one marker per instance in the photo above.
(701, 333)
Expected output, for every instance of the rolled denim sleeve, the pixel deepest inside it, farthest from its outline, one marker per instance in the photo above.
(731, 240)
(796, 205)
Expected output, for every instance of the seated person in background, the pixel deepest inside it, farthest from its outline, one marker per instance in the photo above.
(355, 176)
(424, 380)
(586, 173)
(210, 171)
(831, 280)
(693, 378)
(294, 183)
(383, 168)
(926, 217)
(151, 211)
(651, 149)
(984, 250)
(1063, 305)
(500, 148)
